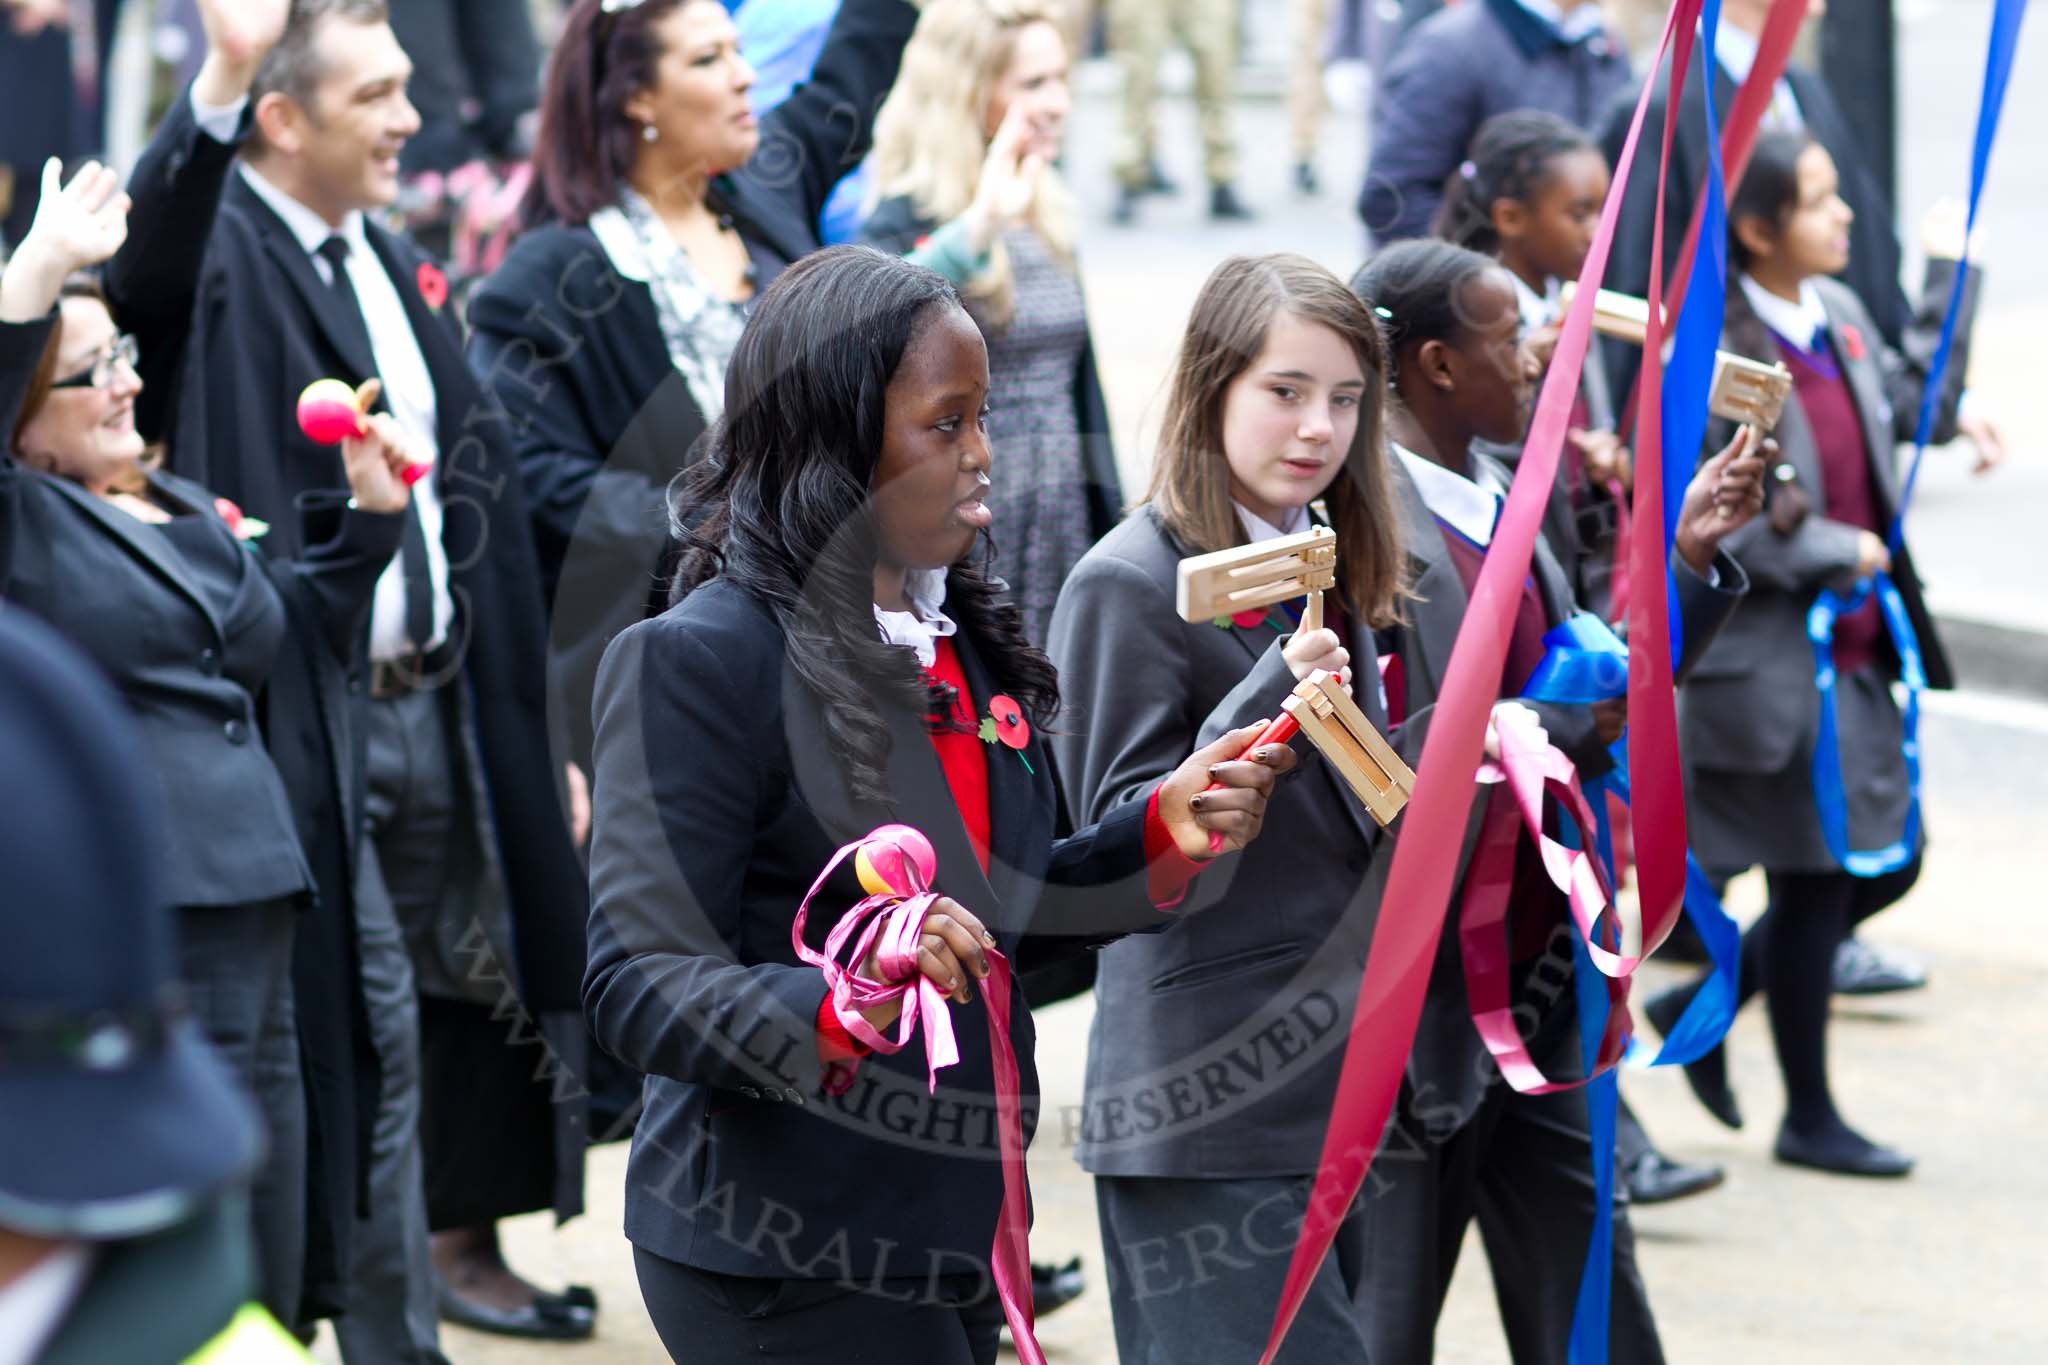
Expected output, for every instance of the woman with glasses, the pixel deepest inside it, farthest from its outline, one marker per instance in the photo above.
(155, 579)
(660, 207)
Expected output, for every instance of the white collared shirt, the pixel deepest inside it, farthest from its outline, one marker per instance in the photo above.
(1257, 528)
(925, 624)
(1804, 323)
(408, 384)
(1573, 25)
(1537, 309)
(34, 1306)
(1471, 509)
(1736, 51)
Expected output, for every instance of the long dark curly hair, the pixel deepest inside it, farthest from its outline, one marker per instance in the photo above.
(781, 507)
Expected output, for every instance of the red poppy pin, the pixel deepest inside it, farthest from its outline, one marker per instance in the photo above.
(433, 285)
(1005, 724)
(1243, 620)
(1852, 342)
(240, 525)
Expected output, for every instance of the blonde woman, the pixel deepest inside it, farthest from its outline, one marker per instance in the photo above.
(964, 164)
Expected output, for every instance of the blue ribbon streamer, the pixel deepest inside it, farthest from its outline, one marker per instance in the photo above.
(1696, 338)
(2005, 37)
(1829, 799)
(1828, 796)
(1584, 662)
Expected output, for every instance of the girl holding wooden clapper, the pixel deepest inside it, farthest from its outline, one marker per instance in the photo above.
(1749, 719)
(836, 661)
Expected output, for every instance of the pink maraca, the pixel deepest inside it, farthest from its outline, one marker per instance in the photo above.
(330, 412)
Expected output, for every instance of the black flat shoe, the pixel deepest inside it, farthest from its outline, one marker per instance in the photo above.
(1055, 1286)
(1847, 1154)
(550, 1317)
(1709, 1082)
(1654, 1178)
(1155, 181)
(1226, 207)
(1124, 211)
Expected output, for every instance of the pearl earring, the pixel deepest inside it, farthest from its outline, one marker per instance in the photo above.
(647, 133)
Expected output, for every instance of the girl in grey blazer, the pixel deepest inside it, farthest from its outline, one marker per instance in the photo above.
(1750, 716)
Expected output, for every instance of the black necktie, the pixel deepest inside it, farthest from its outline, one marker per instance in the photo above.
(412, 547)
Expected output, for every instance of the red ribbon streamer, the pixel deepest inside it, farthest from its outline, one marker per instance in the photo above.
(1426, 853)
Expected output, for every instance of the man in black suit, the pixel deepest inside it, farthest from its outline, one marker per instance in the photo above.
(245, 284)
(1801, 99)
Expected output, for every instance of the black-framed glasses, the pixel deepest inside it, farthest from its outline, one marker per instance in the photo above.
(122, 350)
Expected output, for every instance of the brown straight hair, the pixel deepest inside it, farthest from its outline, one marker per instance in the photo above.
(45, 375)
(1191, 477)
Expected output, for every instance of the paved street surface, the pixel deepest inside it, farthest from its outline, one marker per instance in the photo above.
(1778, 1266)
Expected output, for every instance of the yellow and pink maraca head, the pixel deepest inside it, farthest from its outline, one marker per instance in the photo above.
(895, 860)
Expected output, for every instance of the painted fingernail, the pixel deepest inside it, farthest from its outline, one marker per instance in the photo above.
(1195, 801)
(988, 938)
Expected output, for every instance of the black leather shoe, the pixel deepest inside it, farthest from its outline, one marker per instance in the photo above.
(1708, 1077)
(569, 1316)
(1055, 1286)
(1847, 1154)
(1306, 181)
(1654, 1178)
(1861, 969)
(1226, 207)
(1124, 211)
(1155, 181)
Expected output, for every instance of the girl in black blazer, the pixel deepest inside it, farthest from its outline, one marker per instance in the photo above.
(1750, 718)
(659, 210)
(789, 703)
(149, 575)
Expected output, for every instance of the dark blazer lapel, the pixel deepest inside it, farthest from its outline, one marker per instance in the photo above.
(1746, 335)
(1438, 604)
(918, 794)
(445, 364)
(297, 267)
(1020, 798)
(144, 543)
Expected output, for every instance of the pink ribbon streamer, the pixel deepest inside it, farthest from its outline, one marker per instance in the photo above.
(890, 924)
(1528, 771)
(1427, 850)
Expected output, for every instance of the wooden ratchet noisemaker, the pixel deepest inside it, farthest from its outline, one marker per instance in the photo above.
(1226, 582)
(1744, 391)
(1344, 737)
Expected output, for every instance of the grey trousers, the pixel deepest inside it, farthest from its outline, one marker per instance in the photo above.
(393, 1315)
(235, 962)
(1195, 1269)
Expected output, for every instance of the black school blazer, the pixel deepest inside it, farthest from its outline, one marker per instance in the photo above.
(717, 802)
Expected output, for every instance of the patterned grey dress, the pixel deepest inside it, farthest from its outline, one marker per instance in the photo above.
(1040, 495)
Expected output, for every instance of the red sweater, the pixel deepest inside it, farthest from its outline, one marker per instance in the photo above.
(964, 758)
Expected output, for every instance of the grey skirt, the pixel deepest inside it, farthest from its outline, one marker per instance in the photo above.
(1738, 820)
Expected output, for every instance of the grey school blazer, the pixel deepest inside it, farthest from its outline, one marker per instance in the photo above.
(1751, 708)
(1217, 1040)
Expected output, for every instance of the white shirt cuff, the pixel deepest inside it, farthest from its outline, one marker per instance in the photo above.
(221, 122)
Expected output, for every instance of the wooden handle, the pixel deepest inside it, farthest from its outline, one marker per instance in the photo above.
(1312, 612)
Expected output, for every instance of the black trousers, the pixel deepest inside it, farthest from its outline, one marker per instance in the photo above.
(1195, 1270)
(235, 963)
(703, 1316)
(1522, 1167)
